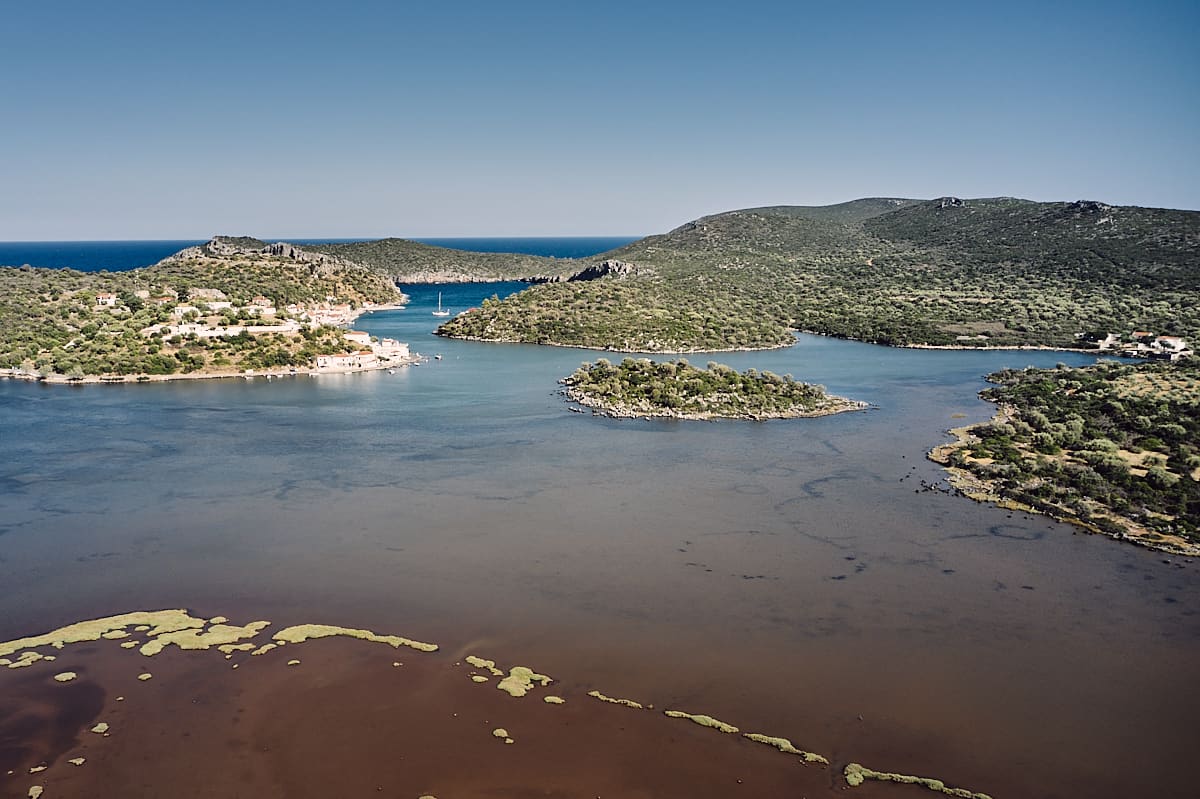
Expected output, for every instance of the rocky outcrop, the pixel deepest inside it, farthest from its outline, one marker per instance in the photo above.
(236, 246)
(1088, 207)
(609, 268)
(951, 202)
(224, 246)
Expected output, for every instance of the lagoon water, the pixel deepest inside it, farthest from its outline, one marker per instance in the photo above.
(789, 575)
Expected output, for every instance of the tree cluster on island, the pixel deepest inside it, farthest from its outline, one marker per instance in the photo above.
(644, 388)
(1112, 446)
(948, 272)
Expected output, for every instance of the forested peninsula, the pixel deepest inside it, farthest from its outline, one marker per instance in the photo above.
(235, 305)
(1113, 447)
(949, 272)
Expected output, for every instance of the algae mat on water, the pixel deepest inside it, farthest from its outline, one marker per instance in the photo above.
(178, 630)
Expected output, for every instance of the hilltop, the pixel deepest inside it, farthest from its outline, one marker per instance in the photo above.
(407, 261)
(945, 272)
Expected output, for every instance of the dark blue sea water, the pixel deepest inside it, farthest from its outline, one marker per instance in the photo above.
(116, 256)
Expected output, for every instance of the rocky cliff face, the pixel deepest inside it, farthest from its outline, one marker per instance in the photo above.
(609, 268)
(237, 247)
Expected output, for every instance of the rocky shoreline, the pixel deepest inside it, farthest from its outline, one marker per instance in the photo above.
(482, 340)
(781, 345)
(293, 371)
(622, 411)
(982, 490)
(270, 374)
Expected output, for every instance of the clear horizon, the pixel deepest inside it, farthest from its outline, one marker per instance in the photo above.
(138, 121)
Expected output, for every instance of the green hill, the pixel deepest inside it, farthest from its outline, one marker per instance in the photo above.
(412, 262)
(993, 272)
(61, 322)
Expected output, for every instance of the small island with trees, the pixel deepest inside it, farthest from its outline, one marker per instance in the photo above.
(1111, 447)
(642, 388)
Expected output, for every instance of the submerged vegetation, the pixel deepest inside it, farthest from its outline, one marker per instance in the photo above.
(996, 272)
(643, 388)
(1113, 446)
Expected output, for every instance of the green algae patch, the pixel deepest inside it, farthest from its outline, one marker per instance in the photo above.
(500, 732)
(703, 720)
(478, 678)
(25, 659)
(155, 622)
(65, 676)
(554, 700)
(264, 649)
(785, 746)
(229, 649)
(77, 761)
(293, 662)
(520, 681)
(197, 638)
(129, 644)
(856, 774)
(306, 632)
(35, 791)
(482, 663)
(616, 701)
(145, 676)
(101, 728)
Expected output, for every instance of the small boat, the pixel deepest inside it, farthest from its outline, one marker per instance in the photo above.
(391, 371)
(439, 311)
(437, 357)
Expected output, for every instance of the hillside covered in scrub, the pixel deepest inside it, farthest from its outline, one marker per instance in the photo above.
(226, 306)
(1114, 447)
(947, 272)
(406, 261)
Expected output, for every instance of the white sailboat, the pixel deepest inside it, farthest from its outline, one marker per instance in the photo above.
(439, 311)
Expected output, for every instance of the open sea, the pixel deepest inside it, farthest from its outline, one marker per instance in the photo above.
(116, 256)
(797, 578)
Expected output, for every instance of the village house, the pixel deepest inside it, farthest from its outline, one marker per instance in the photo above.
(1147, 345)
(391, 348)
(358, 337)
(106, 300)
(363, 359)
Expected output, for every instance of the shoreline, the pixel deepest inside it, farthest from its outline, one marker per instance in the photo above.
(784, 345)
(310, 371)
(984, 491)
(289, 371)
(610, 349)
(834, 406)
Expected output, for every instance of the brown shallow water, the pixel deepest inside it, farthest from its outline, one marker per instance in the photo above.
(791, 578)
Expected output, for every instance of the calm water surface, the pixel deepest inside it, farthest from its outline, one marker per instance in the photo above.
(787, 574)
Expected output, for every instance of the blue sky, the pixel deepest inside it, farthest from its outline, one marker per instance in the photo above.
(147, 120)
